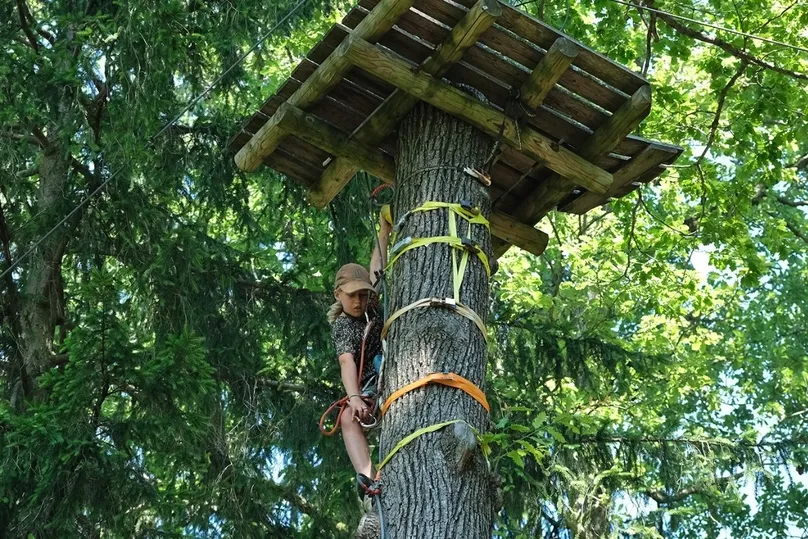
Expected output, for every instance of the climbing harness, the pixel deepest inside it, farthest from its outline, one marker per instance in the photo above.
(368, 394)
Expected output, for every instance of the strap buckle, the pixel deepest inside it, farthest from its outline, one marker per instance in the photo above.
(401, 222)
(470, 245)
(469, 207)
(443, 303)
(400, 245)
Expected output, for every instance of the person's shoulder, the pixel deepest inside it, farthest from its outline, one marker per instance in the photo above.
(342, 323)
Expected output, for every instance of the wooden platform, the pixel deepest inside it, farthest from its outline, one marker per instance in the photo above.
(562, 111)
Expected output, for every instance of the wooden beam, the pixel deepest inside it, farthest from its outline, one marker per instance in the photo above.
(648, 159)
(327, 137)
(547, 72)
(325, 77)
(384, 119)
(457, 103)
(524, 236)
(605, 138)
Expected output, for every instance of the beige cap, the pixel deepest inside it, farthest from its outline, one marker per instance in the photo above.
(353, 277)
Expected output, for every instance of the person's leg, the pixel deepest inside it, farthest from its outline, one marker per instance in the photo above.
(355, 443)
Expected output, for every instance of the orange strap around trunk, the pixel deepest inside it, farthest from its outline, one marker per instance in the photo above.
(444, 378)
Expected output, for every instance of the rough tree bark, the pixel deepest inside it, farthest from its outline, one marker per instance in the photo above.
(41, 290)
(439, 485)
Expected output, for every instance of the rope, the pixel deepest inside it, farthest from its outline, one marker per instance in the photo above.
(154, 137)
(429, 169)
(342, 403)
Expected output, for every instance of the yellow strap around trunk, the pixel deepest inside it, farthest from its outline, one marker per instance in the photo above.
(446, 303)
(454, 241)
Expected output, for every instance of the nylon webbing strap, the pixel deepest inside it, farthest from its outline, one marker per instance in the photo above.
(458, 243)
(472, 216)
(444, 378)
(426, 430)
(465, 211)
(410, 437)
(445, 303)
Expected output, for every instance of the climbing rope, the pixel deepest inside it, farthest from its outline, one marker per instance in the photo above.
(367, 394)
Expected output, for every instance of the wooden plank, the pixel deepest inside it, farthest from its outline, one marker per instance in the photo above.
(325, 77)
(493, 65)
(547, 120)
(509, 74)
(453, 101)
(523, 52)
(550, 192)
(304, 151)
(323, 135)
(554, 188)
(384, 120)
(544, 35)
(650, 159)
(542, 79)
(368, 85)
(289, 165)
(525, 236)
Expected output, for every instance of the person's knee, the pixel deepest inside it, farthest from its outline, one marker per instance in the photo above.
(347, 421)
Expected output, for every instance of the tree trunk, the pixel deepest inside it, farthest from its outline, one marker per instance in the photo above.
(439, 485)
(42, 296)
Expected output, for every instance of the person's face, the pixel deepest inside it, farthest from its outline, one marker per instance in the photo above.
(353, 304)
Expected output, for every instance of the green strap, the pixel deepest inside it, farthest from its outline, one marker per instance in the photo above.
(474, 218)
(454, 241)
(426, 430)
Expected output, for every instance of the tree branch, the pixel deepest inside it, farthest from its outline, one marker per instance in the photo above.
(728, 47)
(20, 137)
(721, 99)
(27, 173)
(792, 203)
(83, 170)
(796, 231)
(25, 14)
(664, 499)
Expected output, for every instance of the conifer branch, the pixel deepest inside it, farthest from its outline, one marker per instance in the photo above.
(25, 23)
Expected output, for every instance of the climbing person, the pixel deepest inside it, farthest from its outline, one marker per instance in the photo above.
(355, 317)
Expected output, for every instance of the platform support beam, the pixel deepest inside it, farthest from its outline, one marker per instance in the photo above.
(325, 77)
(491, 121)
(384, 119)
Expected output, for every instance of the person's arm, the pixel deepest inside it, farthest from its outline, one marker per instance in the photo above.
(350, 381)
(378, 260)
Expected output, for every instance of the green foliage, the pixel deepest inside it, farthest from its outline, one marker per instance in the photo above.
(648, 372)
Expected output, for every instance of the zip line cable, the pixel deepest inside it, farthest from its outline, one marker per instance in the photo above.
(709, 25)
(154, 137)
